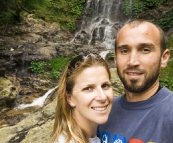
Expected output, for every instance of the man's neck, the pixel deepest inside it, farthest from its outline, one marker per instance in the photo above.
(141, 96)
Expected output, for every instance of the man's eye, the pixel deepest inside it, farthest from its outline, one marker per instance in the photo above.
(124, 51)
(145, 50)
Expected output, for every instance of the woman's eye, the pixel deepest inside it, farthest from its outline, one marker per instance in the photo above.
(87, 88)
(106, 86)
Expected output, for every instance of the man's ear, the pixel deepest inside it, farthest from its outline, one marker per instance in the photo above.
(70, 101)
(165, 58)
(115, 61)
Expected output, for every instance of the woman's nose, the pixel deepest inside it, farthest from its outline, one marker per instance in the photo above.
(100, 94)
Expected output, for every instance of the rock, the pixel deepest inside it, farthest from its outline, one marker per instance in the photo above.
(37, 126)
(8, 93)
(118, 87)
(48, 52)
(2, 71)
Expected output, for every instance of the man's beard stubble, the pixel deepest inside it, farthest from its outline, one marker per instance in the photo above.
(147, 82)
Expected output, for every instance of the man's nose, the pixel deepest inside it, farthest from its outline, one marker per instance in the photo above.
(133, 59)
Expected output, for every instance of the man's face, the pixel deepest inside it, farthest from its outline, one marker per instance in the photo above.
(138, 57)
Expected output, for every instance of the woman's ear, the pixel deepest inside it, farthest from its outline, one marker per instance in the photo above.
(165, 58)
(70, 101)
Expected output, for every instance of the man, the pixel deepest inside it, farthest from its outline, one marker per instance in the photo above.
(144, 114)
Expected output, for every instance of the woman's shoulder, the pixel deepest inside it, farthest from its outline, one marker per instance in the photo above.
(62, 139)
(94, 140)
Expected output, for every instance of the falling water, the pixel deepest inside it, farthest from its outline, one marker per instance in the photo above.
(101, 21)
(103, 54)
(24, 65)
(39, 101)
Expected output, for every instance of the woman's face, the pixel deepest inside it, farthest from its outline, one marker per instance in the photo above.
(92, 96)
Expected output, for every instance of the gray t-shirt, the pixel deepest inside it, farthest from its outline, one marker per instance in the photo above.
(150, 120)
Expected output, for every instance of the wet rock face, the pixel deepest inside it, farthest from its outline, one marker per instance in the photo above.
(8, 93)
(30, 41)
(29, 125)
(37, 40)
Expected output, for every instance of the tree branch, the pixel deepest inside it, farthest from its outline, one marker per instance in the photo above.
(23, 8)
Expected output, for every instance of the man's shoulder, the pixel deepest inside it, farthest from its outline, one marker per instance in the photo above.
(166, 94)
(166, 90)
(117, 98)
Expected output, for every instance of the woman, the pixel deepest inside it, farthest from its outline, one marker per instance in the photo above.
(84, 100)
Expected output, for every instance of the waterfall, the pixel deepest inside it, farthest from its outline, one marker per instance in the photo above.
(39, 101)
(103, 54)
(101, 21)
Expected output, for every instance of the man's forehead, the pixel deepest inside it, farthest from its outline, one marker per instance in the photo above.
(144, 27)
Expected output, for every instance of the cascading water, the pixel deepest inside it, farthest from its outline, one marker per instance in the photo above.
(39, 101)
(101, 21)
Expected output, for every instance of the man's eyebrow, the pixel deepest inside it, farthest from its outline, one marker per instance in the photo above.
(146, 44)
(122, 46)
(139, 45)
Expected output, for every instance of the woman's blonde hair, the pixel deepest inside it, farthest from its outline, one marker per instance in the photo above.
(65, 122)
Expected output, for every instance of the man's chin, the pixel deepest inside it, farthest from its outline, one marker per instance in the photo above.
(134, 88)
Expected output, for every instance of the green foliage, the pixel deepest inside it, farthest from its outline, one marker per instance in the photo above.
(5, 75)
(35, 4)
(58, 63)
(7, 17)
(168, 82)
(126, 7)
(63, 11)
(11, 13)
(74, 56)
(55, 75)
(4, 48)
(66, 12)
(110, 56)
(166, 76)
(76, 8)
(69, 24)
(17, 31)
(37, 67)
(169, 43)
(166, 21)
(137, 7)
(167, 71)
(153, 3)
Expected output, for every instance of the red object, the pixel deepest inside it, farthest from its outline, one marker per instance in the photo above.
(136, 141)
